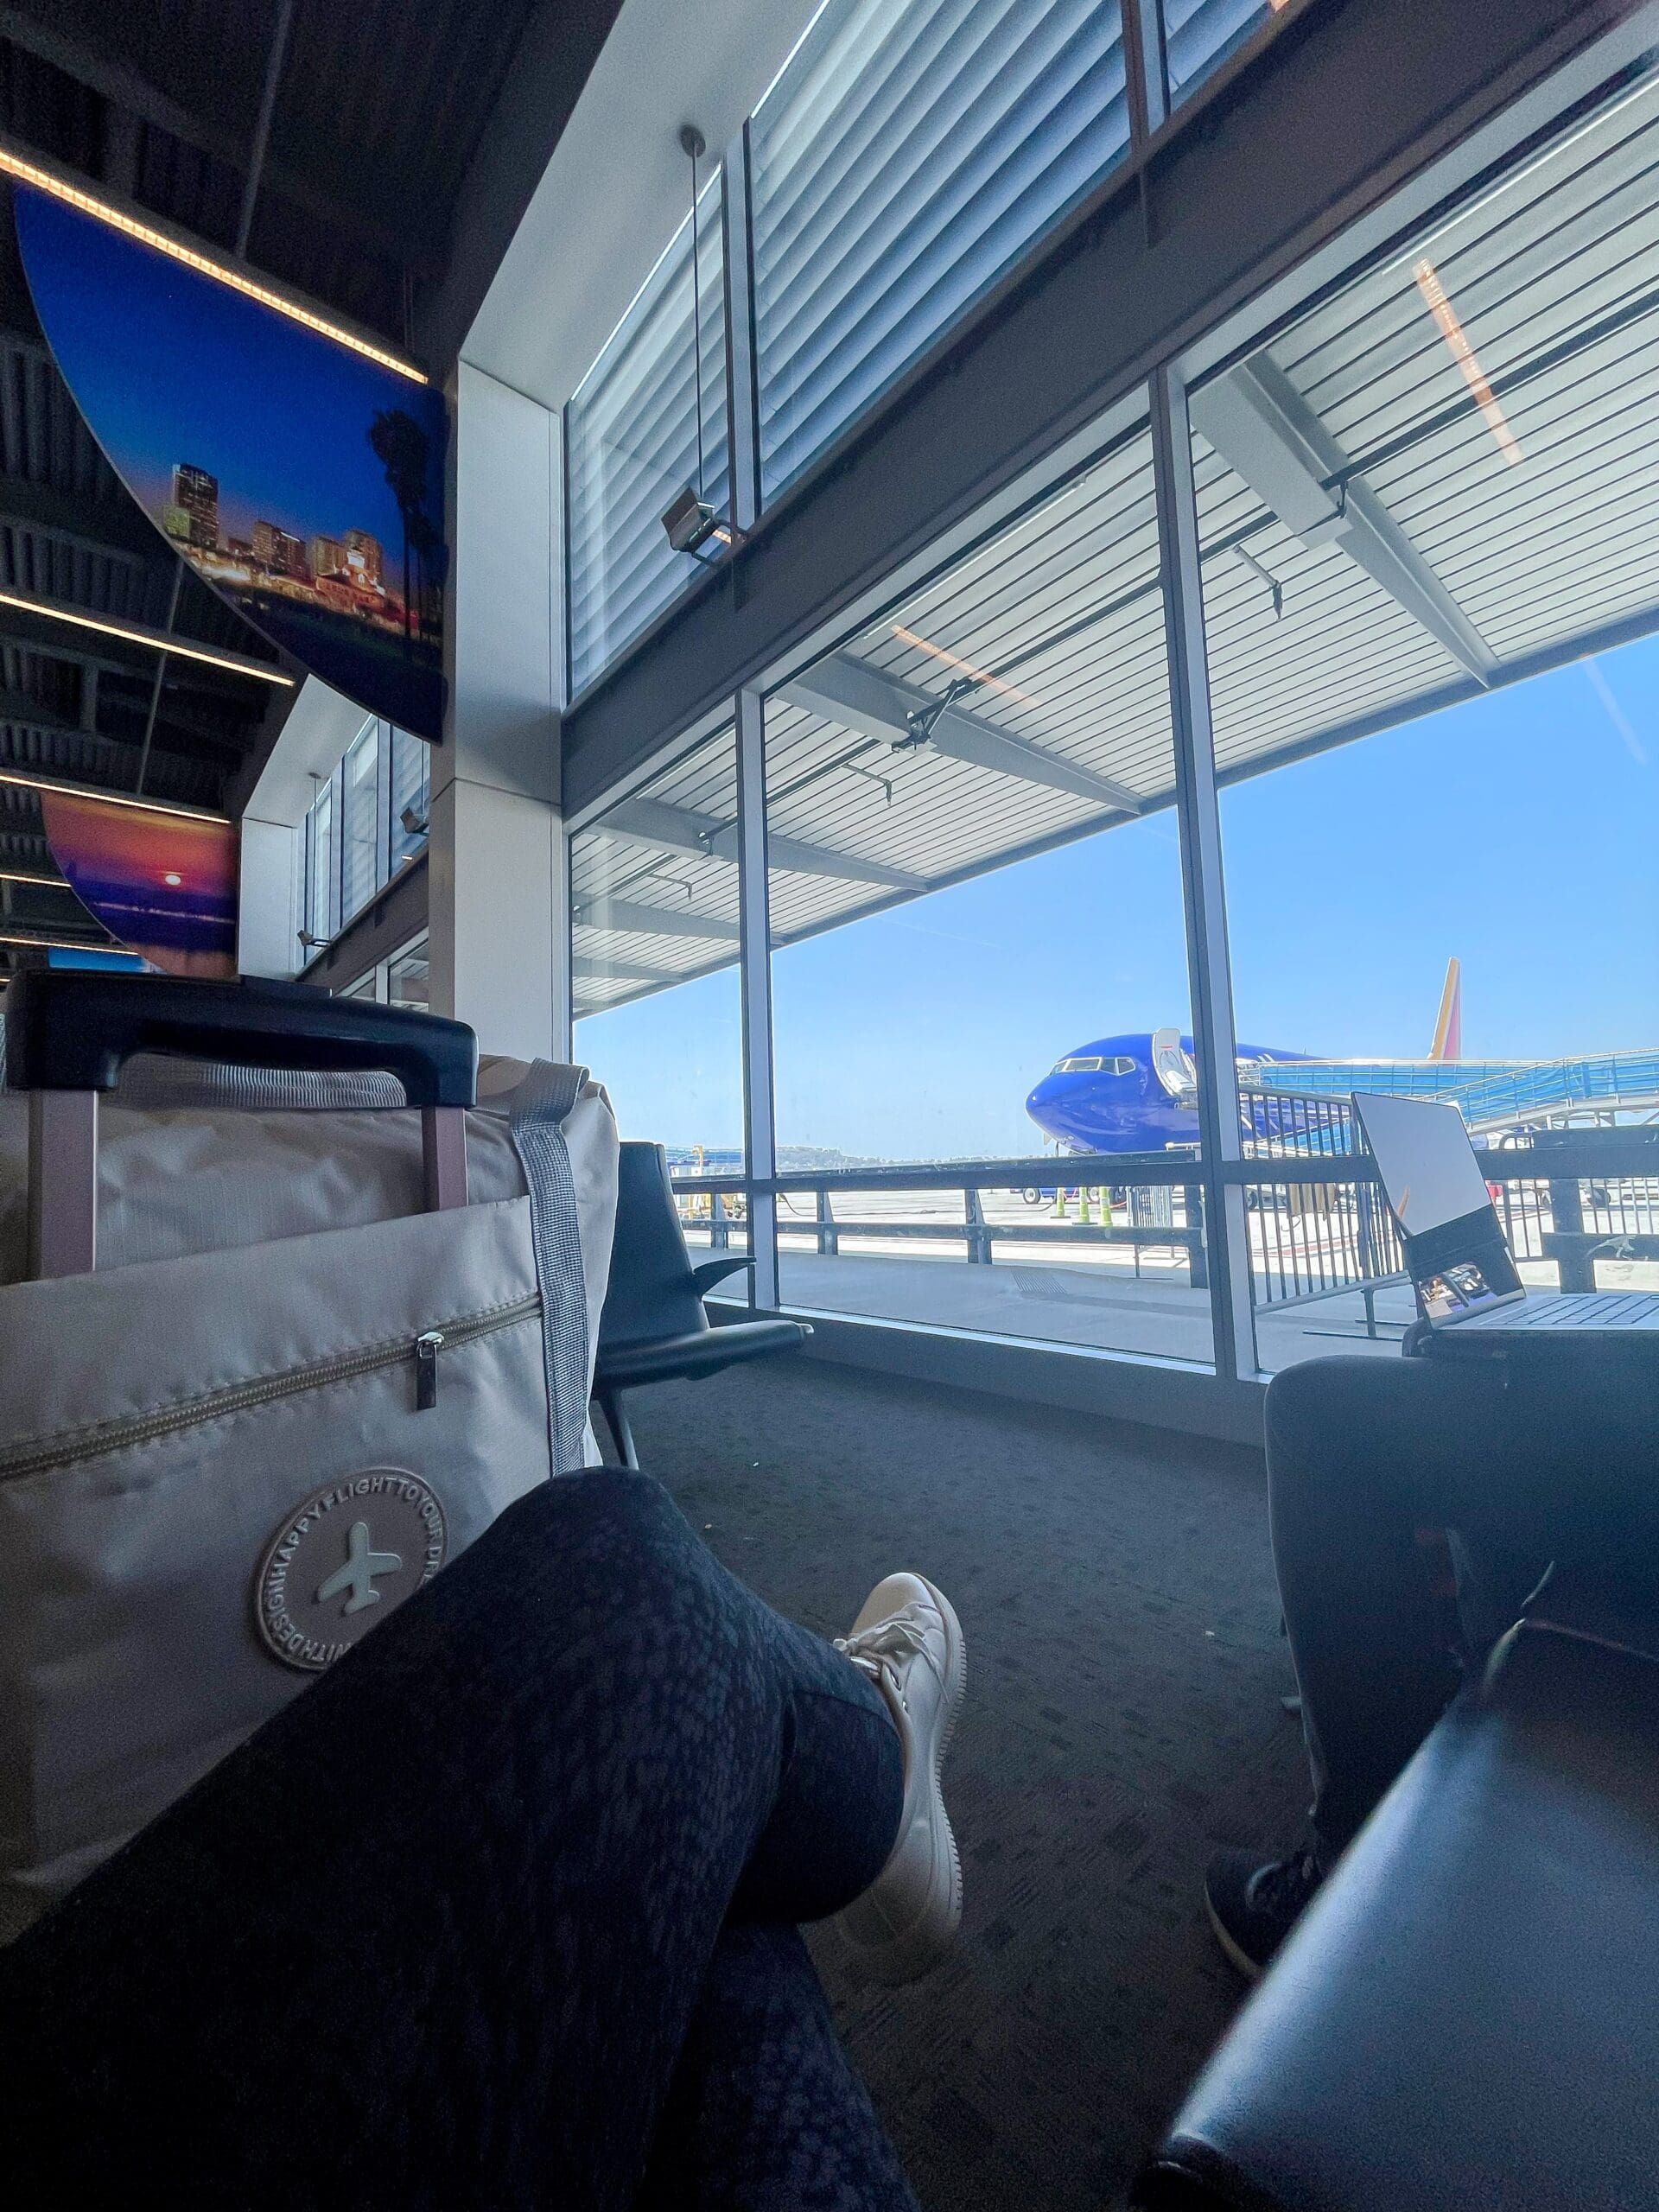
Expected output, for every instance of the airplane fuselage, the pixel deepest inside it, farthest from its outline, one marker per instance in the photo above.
(1133, 1093)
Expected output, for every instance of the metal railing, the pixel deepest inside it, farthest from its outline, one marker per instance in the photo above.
(1319, 1225)
(1142, 1202)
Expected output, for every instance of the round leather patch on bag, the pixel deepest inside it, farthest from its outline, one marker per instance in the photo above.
(343, 1559)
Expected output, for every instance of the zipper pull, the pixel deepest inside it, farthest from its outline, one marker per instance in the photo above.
(428, 1345)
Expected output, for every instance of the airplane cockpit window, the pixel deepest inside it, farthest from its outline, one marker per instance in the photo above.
(1079, 1064)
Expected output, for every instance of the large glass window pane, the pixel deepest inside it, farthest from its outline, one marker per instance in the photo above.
(1427, 518)
(654, 975)
(636, 437)
(411, 795)
(406, 977)
(910, 152)
(322, 866)
(1200, 34)
(978, 980)
(360, 876)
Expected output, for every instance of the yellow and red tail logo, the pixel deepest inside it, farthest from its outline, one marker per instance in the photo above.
(1448, 1023)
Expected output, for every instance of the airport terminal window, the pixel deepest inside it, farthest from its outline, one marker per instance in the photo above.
(909, 153)
(1427, 512)
(634, 439)
(361, 873)
(654, 976)
(973, 862)
(411, 796)
(1200, 34)
(406, 977)
(356, 836)
(321, 904)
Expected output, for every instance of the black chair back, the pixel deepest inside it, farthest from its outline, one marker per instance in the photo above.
(653, 1292)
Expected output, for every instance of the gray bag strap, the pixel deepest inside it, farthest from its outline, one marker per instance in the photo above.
(539, 1107)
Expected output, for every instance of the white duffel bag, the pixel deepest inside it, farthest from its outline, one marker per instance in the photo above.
(225, 1457)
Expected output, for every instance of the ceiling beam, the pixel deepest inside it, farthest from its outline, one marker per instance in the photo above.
(90, 759)
(82, 648)
(91, 622)
(627, 971)
(677, 829)
(25, 781)
(861, 698)
(114, 528)
(1267, 433)
(128, 90)
(641, 920)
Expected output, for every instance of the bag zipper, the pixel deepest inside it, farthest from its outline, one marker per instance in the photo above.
(66, 1450)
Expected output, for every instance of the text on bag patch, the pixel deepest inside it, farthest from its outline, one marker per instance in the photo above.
(343, 1559)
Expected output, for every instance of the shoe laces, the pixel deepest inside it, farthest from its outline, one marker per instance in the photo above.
(1287, 1885)
(881, 1650)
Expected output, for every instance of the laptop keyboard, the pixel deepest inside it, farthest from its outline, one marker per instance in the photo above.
(1601, 1309)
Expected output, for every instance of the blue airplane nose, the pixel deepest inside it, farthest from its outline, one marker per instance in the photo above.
(1044, 1101)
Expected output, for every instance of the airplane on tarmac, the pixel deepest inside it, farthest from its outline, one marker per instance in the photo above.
(1138, 1093)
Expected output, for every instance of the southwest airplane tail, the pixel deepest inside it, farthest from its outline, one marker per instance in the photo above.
(1448, 1022)
(1139, 1092)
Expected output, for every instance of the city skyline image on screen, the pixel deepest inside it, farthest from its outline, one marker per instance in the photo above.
(301, 480)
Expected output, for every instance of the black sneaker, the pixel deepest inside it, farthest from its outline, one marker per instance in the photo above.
(1255, 1902)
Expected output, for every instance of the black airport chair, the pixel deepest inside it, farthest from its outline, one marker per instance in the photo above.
(1466, 2016)
(654, 1328)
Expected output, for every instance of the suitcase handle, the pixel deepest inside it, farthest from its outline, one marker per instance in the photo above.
(69, 1032)
(74, 1029)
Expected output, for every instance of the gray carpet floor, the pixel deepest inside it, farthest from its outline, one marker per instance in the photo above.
(1123, 1715)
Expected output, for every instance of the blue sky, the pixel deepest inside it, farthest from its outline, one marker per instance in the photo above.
(1519, 831)
(201, 374)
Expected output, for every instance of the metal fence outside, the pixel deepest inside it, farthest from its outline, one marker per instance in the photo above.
(1318, 1224)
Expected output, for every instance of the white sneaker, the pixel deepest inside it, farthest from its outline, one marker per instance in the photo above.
(909, 1640)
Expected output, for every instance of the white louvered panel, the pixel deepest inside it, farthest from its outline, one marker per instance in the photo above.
(908, 155)
(633, 433)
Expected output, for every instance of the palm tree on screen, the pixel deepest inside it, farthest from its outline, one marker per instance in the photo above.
(400, 445)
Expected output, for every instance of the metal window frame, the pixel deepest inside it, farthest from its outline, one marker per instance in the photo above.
(754, 985)
(1232, 1320)
(386, 739)
(730, 185)
(1141, 24)
(1223, 1174)
(1209, 974)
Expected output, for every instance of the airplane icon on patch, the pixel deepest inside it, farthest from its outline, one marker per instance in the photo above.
(358, 1574)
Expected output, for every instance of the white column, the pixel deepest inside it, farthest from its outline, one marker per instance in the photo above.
(496, 907)
(267, 900)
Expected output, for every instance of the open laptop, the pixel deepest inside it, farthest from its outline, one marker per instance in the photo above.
(1457, 1255)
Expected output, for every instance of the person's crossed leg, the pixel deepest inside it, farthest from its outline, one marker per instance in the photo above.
(500, 1913)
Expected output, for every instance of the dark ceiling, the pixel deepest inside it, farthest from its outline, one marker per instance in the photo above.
(381, 110)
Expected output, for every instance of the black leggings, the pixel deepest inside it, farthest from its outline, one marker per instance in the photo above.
(499, 1913)
(1529, 1462)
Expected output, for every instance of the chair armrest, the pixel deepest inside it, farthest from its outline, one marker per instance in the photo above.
(713, 1271)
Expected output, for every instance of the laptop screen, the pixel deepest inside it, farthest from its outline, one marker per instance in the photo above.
(1425, 1158)
(1455, 1251)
